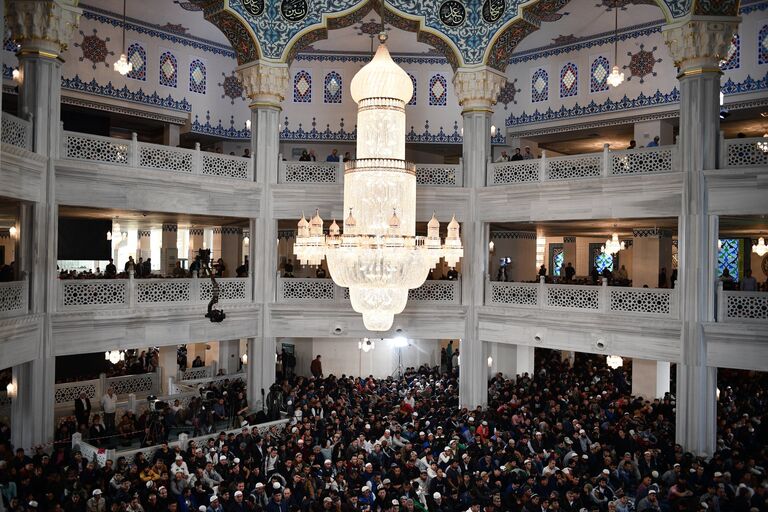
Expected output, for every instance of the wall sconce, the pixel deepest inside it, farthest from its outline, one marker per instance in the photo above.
(11, 389)
(246, 240)
(490, 361)
(248, 124)
(491, 246)
(244, 359)
(13, 231)
(493, 130)
(16, 75)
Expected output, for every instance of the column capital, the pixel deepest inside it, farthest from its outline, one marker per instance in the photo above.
(42, 27)
(265, 83)
(699, 43)
(478, 88)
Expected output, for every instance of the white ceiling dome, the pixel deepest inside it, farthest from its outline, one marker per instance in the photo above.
(381, 78)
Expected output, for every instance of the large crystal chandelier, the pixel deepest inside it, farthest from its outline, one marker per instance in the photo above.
(760, 248)
(612, 245)
(378, 256)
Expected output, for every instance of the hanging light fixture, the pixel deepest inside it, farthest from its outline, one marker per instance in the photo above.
(123, 65)
(616, 77)
(760, 248)
(612, 245)
(244, 359)
(13, 231)
(366, 345)
(378, 257)
(11, 389)
(614, 362)
(114, 356)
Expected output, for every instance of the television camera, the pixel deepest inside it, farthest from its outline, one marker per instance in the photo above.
(214, 314)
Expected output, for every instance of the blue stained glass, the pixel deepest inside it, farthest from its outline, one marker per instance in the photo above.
(603, 261)
(558, 263)
(728, 257)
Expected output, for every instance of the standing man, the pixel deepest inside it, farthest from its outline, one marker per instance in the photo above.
(109, 406)
(82, 410)
(316, 368)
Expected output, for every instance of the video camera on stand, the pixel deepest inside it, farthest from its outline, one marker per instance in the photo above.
(214, 314)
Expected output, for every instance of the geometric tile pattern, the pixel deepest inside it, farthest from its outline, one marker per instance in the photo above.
(598, 74)
(233, 88)
(569, 80)
(603, 261)
(508, 93)
(573, 297)
(332, 88)
(137, 56)
(197, 76)
(438, 90)
(633, 300)
(762, 49)
(641, 63)
(539, 86)
(94, 49)
(412, 101)
(302, 87)
(733, 57)
(169, 70)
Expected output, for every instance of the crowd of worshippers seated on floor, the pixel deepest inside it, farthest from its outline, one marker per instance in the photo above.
(566, 438)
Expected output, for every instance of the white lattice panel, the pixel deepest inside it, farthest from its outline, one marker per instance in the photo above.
(309, 172)
(570, 167)
(573, 297)
(442, 175)
(99, 149)
(746, 152)
(297, 290)
(518, 294)
(641, 300)
(91, 293)
(16, 131)
(436, 291)
(226, 166)
(640, 161)
(234, 289)
(132, 384)
(69, 392)
(746, 305)
(165, 158)
(13, 297)
(519, 171)
(163, 291)
(196, 373)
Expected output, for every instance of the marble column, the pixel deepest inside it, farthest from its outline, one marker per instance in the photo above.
(144, 249)
(511, 360)
(265, 85)
(697, 44)
(650, 379)
(169, 249)
(195, 242)
(229, 356)
(43, 31)
(231, 249)
(651, 252)
(169, 367)
(569, 252)
(477, 90)
(215, 245)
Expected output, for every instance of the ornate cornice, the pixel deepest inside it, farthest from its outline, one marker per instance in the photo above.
(196, 231)
(477, 89)
(229, 230)
(143, 233)
(265, 83)
(171, 228)
(651, 233)
(119, 109)
(699, 43)
(42, 27)
(513, 235)
(569, 239)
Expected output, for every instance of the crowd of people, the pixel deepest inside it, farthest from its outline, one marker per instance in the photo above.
(143, 269)
(567, 438)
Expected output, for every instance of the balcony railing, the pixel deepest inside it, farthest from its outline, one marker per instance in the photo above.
(95, 148)
(736, 306)
(590, 165)
(94, 389)
(13, 298)
(17, 131)
(324, 291)
(743, 152)
(443, 175)
(659, 302)
(92, 294)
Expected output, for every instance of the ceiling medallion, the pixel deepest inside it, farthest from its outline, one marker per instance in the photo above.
(452, 13)
(379, 257)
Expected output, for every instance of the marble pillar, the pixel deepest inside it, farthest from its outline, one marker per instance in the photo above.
(195, 242)
(697, 43)
(144, 246)
(231, 249)
(650, 379)
(511, 360)
(169, 249)
(651, 252)
(477, 90)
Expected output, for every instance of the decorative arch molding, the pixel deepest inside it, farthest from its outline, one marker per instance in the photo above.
(239, 34)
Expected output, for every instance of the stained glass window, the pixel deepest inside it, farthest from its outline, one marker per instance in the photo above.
(169, 70)
(728, 257)
(603, 261)
(762, 41)
(438, 90)
(539, 86)
(302, 87)
(332, 92)
(138, 57)
(569, 80)
(558, 263)
(598, 74)
(733, 57)
(197, 76)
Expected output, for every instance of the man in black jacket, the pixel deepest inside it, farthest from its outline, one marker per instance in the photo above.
(82, 410)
